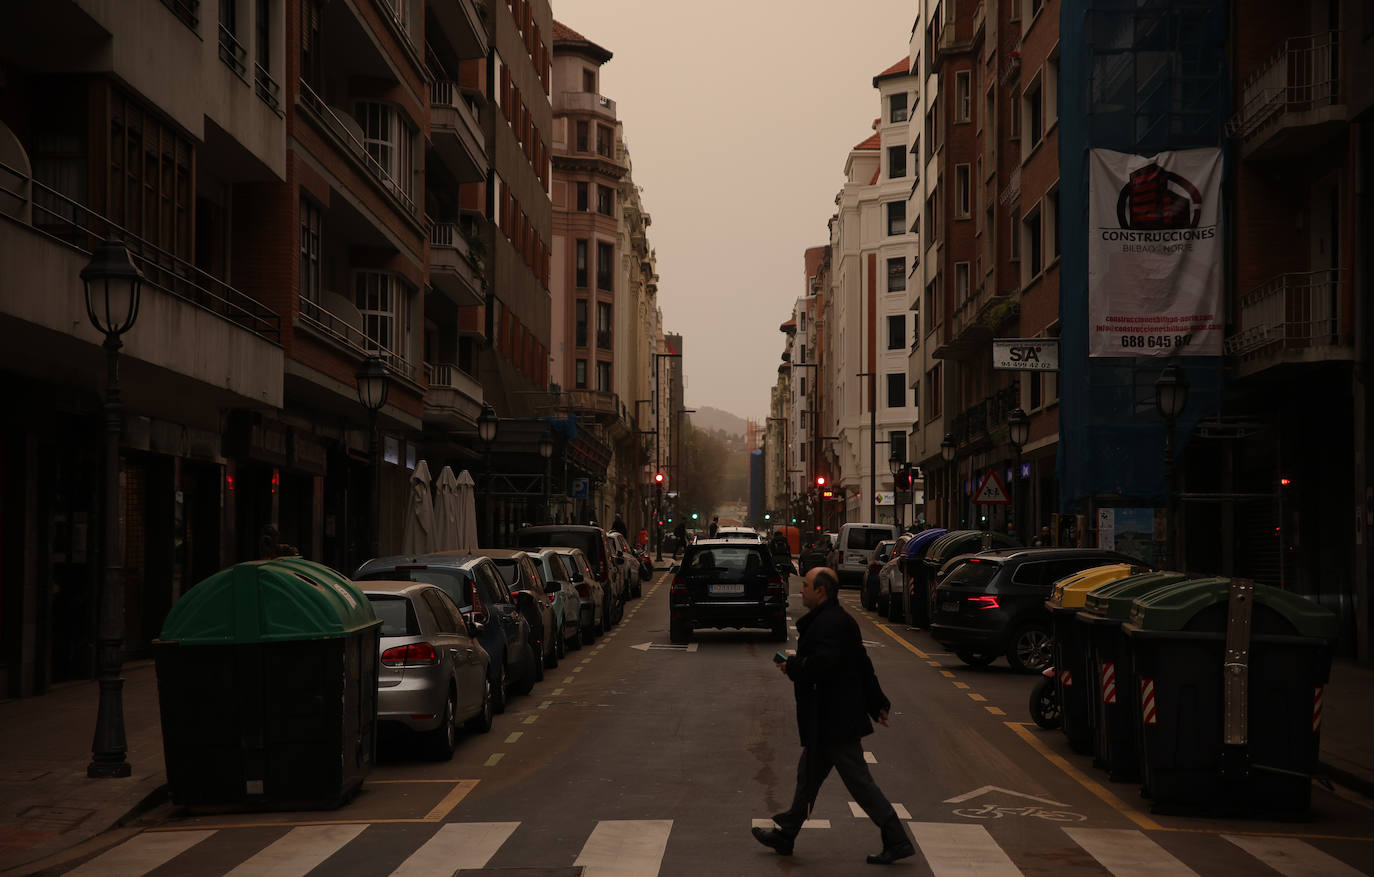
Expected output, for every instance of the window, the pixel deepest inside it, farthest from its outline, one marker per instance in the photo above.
(231, 51)
(963, 96)
(1035, 119)
(916, 324)
(384, 302)
(1014, 130)
(581, 322)
(933, 216)
(896, 162)
(1035, 398)
(933, 302)
(605, 200)
(1051, 81)
(310, 251)
(896, 274)
(802, 448)
(603, 325)
(802, 327)
(933, 390)
(310, 42)
(896, 331)
(605, 141)
(963, 189)
(1015, 237)
(803, 385)
(1034, 251)
(387, 139)
(589, 81)
(582, 196)
(605, 265)
(1051, 224)
(152, 192)
(580, 374)
(603, 377)
(935, 129)
(896, 217)
(896, 443)
(896, 390)
(960, 282)
(583, 137)
(581, 279)
(803, 357)
(1033, 8)
(896, 107)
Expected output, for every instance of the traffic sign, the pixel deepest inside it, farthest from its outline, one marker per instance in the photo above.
(991, 491)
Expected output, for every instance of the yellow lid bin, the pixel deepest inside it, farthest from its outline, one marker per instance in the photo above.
(1070, 591)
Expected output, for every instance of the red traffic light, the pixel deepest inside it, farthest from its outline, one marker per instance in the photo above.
(820, 481)
(658, 477)
(1285, 482)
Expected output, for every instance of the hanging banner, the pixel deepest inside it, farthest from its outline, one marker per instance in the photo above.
(1154, 253)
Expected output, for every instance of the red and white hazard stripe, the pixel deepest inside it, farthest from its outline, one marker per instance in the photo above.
(1065, 677)
(1108, 682)
(1147, 701)
(1317, 708)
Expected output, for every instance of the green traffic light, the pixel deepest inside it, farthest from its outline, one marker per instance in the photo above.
(670, 520)
(694, 516)
(767, 517)
(794, 520)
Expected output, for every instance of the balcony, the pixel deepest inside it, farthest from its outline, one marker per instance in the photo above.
(190, 324)
(456, 130)
(584, 102)
(986, 422)
(341, 326)
(976, 319)
(1292, 103)
(604, 405)
(454, 397)
(462, 26)
(1292, 318)
(454, 269)
(347, 137)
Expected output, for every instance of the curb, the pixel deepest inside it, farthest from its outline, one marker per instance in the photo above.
(1361, 785)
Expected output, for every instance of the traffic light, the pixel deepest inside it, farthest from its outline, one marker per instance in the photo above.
(694, 516)
(766, 516)
(794, 520)
(670, 519)
(820, 481)
(658, 477)
(906, 478)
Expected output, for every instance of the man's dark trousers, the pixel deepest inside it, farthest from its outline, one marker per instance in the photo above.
(847, 759)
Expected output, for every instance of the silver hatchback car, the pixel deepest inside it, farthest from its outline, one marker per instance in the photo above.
(433, 674)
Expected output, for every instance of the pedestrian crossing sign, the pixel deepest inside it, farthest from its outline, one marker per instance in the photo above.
(991, 491)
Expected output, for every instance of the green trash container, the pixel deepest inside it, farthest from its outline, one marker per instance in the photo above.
(1257, 753)
(1069, 665)
(1107, 662)
(267, 686)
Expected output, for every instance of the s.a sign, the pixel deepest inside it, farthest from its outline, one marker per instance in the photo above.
(1026, 354)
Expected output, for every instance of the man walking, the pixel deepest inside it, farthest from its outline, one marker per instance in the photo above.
(837, 693)
(715, 525)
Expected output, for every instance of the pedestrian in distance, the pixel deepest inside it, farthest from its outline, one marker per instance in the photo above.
(679, 538)
(715, 525)
(838, 698)
(618, 526)
(1043, 540)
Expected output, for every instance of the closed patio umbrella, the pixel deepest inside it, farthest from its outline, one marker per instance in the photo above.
(418, 535)
(446, 511)
(467, 513)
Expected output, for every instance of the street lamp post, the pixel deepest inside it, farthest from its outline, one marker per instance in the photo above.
(546, 451)
(894, 465)
(947, 448)
(373, 382)
(1018, 430)
(1171, 397)
(487, 425)
(112, 287)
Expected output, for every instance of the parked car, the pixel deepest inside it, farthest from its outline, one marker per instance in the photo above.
(526, 585)
(625, 558)
(891, 597)
(952, 544)
(589, 591)
(563, 597)
(748, 534)
(476, 586)
(433, 674)
(727, 583)
(855, 550)
(871, 595)
(597, 548)
(993, 603)
(815, 552)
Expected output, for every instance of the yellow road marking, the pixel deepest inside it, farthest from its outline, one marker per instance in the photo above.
(530, 720)
(556, 692)
(1083, 779)
(901, 641)
(995, 710)
(443, 808)
(961, 685)
(450, 801)
(947, 673)
(933, 663)
(977, 697)
(514, 736)
(495, 758)
(567, 679)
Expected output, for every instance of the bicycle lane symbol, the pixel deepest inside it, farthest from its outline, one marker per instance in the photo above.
(997, 811)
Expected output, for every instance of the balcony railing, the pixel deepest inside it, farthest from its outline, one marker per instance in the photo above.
(351, 336)
(1303, 75)
(269, 90)
(1291, 311)
(596, 401)
(982, 419)
(449, 376)
(186, 10)
(585, 101)
(448, 235)
(342, 128)
(232, 52)
(70, 222)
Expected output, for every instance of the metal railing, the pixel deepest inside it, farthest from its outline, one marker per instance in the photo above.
(599, 401)
(269, 90)
(1302, 75)
(186, 10)
(448, 234)
(232, 52)
(67, 221)
(344, 136)
(980, 420)
(1291, 311)
(450, 376)
(324, 322)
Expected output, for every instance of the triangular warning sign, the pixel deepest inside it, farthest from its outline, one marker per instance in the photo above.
(991, 491)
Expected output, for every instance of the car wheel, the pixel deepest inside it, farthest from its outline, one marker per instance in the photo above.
(896, 611)
(501, 691)
(481, 723)
(679, 632)
(534, 670)
(1031, 649)
(560, 643)
(444, 739)
(919, 616)
(575, 641)
(974, 659)
(1044, 704)
(550, 655)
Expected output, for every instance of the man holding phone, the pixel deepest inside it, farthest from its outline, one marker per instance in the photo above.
(837, 694)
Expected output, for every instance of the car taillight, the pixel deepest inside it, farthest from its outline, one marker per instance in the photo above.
(984, 602)
(584, 589)
(874, 566)
(412, 655)
(678, 588)
(775, 586)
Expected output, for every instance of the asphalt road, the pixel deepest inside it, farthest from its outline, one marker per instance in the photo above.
(635, 758)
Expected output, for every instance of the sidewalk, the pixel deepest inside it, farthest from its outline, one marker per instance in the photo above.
(48, 805)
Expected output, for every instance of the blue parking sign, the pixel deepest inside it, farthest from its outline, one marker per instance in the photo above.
(579, 488)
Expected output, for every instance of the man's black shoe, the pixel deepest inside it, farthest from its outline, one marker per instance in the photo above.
(781, 843)
(891, 854)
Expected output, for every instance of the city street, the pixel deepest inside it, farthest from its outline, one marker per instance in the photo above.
(635, 757)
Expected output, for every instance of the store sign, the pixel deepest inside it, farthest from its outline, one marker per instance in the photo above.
(1026, 354)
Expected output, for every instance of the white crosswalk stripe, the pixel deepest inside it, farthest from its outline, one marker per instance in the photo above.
(954, 850)
(859, 813)
(1128, 853)
(456, 846)
(625, 848)
(141, 854)
(298, 852)
(1292, 857)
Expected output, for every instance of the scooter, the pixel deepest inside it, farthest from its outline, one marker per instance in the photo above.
(1044, 700)
(646, 567)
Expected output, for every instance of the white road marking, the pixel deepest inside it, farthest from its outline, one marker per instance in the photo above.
(870, 758)
(1127, 853)
(1291, 857)
(141, 854)
(810, 823)
(298, 852)
(983, 790)
(625, 848)
(954, 850)
(860, 814)
(456, 846)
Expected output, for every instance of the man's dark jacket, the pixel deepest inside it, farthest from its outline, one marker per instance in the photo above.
(836, 688)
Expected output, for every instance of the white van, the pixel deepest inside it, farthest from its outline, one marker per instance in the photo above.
(855, 550)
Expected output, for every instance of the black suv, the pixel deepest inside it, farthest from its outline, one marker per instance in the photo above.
(727, 583)
(994, 603)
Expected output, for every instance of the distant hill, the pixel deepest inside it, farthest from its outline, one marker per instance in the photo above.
(713, 419)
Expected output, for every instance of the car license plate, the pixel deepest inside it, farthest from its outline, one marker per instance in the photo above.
(725, 589)
(949, 606)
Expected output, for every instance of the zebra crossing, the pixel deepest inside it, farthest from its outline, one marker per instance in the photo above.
(637, 848)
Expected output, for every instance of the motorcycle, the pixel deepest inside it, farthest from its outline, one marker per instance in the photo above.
(1044, 700)
(646, 567)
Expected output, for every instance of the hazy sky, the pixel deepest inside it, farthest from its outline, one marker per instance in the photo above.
(739, 115)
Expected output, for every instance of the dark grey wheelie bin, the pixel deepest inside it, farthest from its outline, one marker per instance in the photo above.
(267, 682)
(1230, 676)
